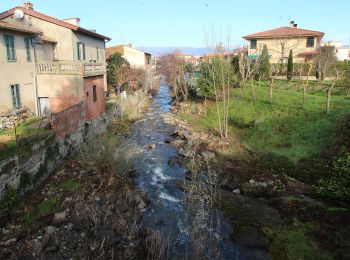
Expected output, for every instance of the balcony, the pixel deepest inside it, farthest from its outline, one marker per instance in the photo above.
(93, 69)
(85, 69)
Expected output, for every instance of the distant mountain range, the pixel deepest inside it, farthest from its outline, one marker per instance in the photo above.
(159, 51)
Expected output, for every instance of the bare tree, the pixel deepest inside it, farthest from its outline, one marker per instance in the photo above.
(324, 60)
(283, 45)
(247, 68)
(329, 91)
(306, 85)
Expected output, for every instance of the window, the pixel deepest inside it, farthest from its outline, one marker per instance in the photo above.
(94, 94)
(27, 46)
(16, 99)
(10, 47)
(253, 44)
(310, 42)
(97, 54)
(81, 50)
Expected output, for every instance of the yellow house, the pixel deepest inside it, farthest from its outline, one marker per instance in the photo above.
(304, 43)
(135, 57)
(66, 66)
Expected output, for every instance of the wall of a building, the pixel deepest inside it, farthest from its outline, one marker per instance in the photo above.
(96, 108)
(19, 72)
(135, 57)
(298, 45)
(91, 45)
(63, 90)
(62, 35)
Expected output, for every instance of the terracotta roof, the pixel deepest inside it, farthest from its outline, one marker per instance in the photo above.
(307, 53)
(13, 27)
(53, 20)
(283, 32)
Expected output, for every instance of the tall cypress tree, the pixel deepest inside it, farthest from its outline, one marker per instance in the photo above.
(290, 66)
(265, 67)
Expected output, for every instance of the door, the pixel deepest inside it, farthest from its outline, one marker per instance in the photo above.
(44, 105)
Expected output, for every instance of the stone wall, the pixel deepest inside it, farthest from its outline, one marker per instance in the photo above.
(36, 159)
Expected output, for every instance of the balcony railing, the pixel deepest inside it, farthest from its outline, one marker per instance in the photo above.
(93, 69)
(70, 68)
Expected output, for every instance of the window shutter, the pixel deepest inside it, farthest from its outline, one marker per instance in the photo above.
(7, 43)
(78, 48)
(83, 51)
(12, 45)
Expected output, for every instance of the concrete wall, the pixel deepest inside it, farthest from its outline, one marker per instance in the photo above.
(96, 108)
(19, 72)
(63, 90)
(298, 45)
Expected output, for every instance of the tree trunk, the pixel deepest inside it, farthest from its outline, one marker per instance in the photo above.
(271, 87)
(205, 107)
(304, 95)
(329, 92)
(252, 88)
(243, 87)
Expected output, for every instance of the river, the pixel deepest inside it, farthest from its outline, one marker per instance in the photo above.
(160, 181)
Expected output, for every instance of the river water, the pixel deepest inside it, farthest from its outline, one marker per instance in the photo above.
(167, 210)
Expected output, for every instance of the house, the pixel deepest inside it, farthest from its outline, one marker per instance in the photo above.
(17, 68)
(188, 58)
(342, 52)
(279, 42)
(135, 57)
(66, 63)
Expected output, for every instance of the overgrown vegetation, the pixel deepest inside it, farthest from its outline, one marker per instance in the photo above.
(337, 183)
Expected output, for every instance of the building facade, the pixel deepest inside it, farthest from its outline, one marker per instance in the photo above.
(280, 41)
(68, 62)
(135, 57)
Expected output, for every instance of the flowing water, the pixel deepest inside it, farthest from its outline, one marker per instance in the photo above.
(166, 210)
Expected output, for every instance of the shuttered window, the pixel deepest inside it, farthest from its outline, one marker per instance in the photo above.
(27, 45)
(81, 51)
(94, 93)
(10, 47)
(16, 98)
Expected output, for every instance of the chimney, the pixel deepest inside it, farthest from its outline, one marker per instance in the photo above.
(130, 45)
(291, 24)
(75, 21)
(28, 5)
(295, 25)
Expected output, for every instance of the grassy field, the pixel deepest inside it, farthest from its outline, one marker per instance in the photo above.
(283, 128)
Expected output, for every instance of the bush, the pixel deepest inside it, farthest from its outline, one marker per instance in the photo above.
(9, 199)
(337, 183)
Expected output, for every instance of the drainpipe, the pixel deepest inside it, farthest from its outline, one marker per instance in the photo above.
(35, 81)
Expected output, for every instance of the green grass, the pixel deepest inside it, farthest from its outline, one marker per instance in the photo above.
(296, 245)
(69, 184)
(283, 128)
(22, 130)
(46, 207)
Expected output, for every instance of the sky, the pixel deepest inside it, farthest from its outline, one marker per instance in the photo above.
(196, 23)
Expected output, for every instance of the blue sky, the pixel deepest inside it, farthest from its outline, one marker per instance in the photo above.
(163, 23)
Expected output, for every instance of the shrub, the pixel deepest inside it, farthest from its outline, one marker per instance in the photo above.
(9, 199)
(337, 183)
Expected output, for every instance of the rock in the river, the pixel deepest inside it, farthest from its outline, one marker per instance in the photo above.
(186, 153)
(37, 246)
(59, 217)
(236, 191)
(152, 146)
(10, 242)
(208, 155)
(50, 230)
(178, 142)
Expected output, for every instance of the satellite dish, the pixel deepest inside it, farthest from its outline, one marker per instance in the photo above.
(19, 14)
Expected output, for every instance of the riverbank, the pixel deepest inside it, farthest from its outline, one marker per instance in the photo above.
(267, 209)
(88, 208)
